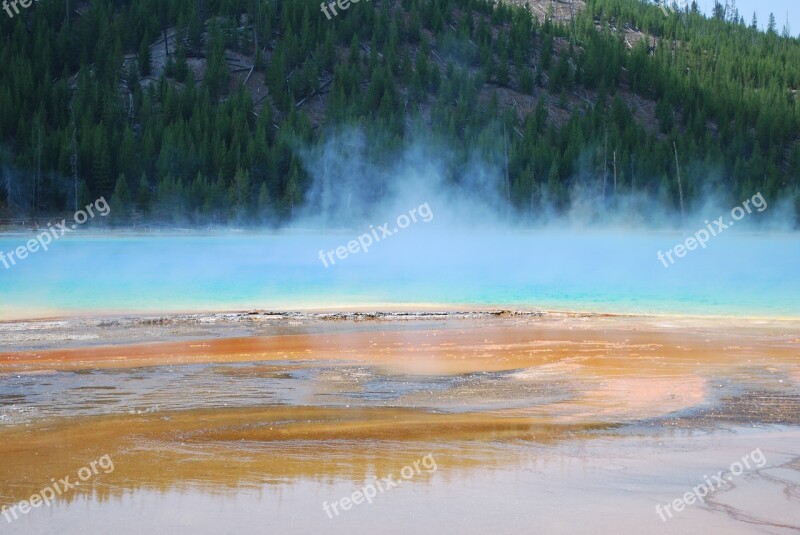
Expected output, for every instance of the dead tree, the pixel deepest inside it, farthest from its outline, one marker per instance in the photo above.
(508, 179)
(615, 172)
(73, 160)
(605, 166)
(533, 186)
(37, 180)
(572, 20)
(680, 187)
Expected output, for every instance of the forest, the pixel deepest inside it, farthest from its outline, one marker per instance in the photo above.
(199, 112)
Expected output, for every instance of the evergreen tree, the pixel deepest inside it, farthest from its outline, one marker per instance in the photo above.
(145, 58)
(771, 24)
(143, 195)
(101, 163)
(121, 202)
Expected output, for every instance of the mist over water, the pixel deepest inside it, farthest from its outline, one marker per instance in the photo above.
(597, 256)
(349, 190)
(604, 271)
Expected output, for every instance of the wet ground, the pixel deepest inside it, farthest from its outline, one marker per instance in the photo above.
(547, 423)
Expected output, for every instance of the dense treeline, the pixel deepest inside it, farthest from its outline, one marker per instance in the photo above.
(144, 102)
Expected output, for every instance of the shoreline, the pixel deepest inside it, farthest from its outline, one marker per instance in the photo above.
(94, 332)
(381, 311)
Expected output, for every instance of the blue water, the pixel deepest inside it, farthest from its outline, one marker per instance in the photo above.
(603, 271)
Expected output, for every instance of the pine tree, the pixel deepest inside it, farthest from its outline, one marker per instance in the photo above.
(121, 200)
(143, 195)
(101, 164)
(242, 195)
(771, 26)
(263, 202)
(144, 59)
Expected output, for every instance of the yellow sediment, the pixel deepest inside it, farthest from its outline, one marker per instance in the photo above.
(230, 448)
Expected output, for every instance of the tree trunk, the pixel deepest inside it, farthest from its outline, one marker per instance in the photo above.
(615, 172)
(680, 187)
(74, 158)
(508, 179)
(605, 166)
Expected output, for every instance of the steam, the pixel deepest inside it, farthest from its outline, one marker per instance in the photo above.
(349, 190)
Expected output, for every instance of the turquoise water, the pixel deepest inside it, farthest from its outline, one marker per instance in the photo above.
(602, 271)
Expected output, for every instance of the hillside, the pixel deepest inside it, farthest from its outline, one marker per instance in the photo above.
(206, 113)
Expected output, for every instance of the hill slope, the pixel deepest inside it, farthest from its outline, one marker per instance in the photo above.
(199, 115)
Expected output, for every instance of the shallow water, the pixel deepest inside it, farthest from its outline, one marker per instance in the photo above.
(558, 483)
(569, 424)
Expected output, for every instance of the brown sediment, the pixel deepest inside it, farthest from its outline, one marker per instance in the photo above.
(230, 448)
(619, 344)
